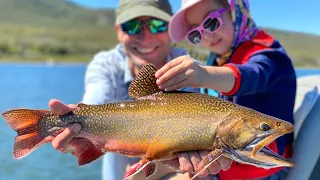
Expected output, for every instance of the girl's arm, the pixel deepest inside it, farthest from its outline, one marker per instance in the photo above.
(258, 74)
(221, 79)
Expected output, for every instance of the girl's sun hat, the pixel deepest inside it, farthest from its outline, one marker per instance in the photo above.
(178, 27)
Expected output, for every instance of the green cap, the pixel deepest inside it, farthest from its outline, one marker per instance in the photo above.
(130, 9)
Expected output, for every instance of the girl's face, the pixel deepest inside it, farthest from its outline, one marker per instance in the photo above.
(220, 41)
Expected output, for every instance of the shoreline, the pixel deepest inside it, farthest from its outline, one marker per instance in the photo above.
(42, 62)
(81, 63)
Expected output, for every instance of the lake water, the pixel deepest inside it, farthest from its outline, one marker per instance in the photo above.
(32, 86)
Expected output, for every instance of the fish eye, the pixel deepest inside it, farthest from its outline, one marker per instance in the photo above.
(264, 126)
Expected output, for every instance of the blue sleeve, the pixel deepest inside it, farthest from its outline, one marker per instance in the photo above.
(99, 88)
(261, 72)
(190, 89)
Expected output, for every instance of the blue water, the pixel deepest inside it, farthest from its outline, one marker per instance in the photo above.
(32, 86)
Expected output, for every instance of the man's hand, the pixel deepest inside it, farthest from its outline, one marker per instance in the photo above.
(188, 161)
(65, 141)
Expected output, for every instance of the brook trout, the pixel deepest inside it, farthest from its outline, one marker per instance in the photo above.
(155, 126)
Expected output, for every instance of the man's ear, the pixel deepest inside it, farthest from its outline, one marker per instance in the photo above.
(119, 32)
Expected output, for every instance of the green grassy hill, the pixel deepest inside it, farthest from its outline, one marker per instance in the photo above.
(38, 30)
(52, 13)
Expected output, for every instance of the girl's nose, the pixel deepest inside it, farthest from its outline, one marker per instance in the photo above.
(206, 36)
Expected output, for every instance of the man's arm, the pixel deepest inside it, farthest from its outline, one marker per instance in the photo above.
(99, 88)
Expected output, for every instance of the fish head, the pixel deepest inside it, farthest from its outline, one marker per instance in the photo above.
(245, 127)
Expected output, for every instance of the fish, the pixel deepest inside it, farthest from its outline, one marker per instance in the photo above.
(155, 126)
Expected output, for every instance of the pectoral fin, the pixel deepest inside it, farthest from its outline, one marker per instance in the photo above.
(207, 161)
(144, 164)
(86, 152)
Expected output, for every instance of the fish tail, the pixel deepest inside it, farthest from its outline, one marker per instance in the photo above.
(25, 123)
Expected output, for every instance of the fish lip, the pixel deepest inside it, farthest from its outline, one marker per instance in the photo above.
(266, 151)
(263, 140)
(266, 158)
(269, 152)
(265, 134)
(259, 138)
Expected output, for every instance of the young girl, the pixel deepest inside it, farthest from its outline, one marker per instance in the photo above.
(247, 66)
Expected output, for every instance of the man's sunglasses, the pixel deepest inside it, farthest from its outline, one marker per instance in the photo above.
(135, 26)
(210, 24)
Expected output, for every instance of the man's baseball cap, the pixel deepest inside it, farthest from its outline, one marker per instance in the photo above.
(130, 9)
(178, 27)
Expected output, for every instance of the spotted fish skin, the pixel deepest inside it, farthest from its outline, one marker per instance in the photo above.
(154, 125)
(172, 121)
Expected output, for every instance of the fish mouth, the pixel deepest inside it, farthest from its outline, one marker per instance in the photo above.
(263, 140)
(265, 158)
(256, 153)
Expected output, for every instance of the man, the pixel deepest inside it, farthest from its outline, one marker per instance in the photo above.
(141, 28)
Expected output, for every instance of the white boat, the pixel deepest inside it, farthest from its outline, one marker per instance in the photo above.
(306, 150)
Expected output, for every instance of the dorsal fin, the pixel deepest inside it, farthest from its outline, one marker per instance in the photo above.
(80, 105)
(145, 83)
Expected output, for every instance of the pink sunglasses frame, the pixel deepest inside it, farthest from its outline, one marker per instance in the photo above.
(200, 28)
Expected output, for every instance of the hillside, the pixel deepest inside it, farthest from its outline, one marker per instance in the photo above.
(52, 13)
(63, 31)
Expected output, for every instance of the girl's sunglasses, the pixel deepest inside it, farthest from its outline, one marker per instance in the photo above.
(210, 24)
(134, 26)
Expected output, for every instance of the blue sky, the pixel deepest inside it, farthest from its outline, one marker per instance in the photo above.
(294, 15)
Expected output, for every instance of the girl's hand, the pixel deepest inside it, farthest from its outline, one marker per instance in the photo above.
(180, 72)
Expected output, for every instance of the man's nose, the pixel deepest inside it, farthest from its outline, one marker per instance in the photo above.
(145, 34)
